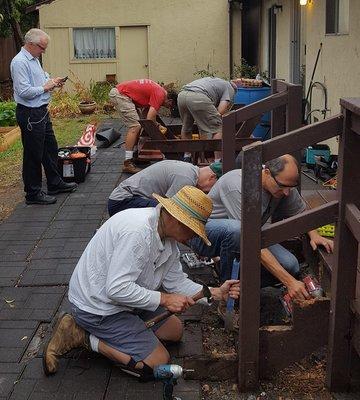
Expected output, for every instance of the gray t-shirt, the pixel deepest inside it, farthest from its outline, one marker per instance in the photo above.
(215, 88)
(164, 178)
(226, 197)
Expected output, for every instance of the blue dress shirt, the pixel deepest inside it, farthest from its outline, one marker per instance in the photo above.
(28, 80)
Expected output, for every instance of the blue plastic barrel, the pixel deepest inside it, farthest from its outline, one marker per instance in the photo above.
(251, 95)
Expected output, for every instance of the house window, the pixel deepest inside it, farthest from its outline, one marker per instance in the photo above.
(337, 16)
(92, 43)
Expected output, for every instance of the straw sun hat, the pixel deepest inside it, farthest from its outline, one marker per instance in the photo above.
(191, 207)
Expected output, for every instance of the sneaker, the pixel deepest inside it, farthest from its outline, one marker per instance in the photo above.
(130, 168)
(187, 159)
(41, 198)
(67, 335)
(62, 187)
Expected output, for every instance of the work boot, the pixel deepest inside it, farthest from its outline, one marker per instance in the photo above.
(130, 167)
(67, 335)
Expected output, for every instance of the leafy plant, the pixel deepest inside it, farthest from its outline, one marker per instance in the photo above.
(208, 71)
(7, 113)
(100, 91)
(63, 104)
(244, 70)
(83, 93)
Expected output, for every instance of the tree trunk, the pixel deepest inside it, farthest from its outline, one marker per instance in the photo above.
(19, 41)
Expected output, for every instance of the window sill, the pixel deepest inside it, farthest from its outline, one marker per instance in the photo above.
(337, 34)
(93, 60)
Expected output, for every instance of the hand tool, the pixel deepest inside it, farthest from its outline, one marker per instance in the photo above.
(229, 315)
(205, 292)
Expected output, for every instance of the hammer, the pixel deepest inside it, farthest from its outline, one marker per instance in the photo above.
(205, 292)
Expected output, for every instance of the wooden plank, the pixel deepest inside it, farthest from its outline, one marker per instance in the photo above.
(302, 137)
(249, 307)
(151, 129)
(328, 195)
(355, 123)
(312, 198)
(247, 127)
(352, 218)
(259, 107)
(338, 371)
(278, 115)
(181, 145)
(304, 222)
(282, 345)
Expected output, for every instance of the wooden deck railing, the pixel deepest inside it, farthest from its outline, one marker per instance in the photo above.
(285, 106)
(253, 238)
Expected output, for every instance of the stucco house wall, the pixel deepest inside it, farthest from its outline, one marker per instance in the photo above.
(339, 62)
(182, 37)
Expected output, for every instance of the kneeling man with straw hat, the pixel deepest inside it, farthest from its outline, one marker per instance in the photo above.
(114, 288)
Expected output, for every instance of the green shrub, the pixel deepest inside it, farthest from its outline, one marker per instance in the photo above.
(7, 113)
(100, 91)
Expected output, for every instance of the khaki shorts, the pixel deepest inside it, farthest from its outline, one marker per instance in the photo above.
(125, 107)
(198, 107)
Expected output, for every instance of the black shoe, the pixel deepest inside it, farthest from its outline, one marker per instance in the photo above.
(41, 198)
(62, 187)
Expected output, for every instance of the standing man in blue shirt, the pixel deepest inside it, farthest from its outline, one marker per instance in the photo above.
(32, 87)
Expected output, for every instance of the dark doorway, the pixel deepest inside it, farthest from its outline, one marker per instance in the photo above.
(250, 37)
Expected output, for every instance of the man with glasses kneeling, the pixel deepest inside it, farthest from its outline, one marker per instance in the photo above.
(280, 200)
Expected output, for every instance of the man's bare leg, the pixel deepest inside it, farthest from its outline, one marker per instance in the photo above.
(132, 137)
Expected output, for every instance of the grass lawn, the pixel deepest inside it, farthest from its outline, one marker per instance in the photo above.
(67, 131)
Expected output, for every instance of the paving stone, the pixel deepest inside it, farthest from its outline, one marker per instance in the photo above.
(7, 384)
(86, 211)
(34, 213)
(10, 272)
(48, 272)
(22, 390)
(22, 230)
(88, 198)
(13, 343)
(59, 248)
(30, 303)
(71, 229)
(15, 251)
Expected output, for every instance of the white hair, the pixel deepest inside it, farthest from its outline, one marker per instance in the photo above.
(35, 35)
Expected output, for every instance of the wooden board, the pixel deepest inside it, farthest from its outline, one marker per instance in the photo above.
(8, 135)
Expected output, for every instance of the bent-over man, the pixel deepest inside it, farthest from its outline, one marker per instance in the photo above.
(164, 178)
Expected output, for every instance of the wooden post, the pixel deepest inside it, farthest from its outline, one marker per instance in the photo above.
(250, 242)
(228, 142)
(278, 120)
(345, 256)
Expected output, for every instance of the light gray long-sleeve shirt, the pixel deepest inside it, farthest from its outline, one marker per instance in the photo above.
(124, 265)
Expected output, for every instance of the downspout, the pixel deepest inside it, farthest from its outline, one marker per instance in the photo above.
(231, 66)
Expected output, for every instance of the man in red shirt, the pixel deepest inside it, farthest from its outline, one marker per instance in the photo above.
(130, 96)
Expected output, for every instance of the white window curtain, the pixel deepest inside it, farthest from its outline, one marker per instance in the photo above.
(94, 43)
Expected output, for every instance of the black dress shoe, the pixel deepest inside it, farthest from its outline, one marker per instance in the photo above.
(41, 198)
(62, 187)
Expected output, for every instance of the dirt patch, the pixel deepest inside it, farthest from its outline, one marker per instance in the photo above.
(9, 198)
(302, 380)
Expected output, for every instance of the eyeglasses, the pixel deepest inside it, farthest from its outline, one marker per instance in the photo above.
(282, 185)
(40, 47)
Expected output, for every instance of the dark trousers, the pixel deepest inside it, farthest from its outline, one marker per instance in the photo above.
(115, 206)
(40, 149)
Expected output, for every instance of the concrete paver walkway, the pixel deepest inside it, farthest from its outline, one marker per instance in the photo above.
(39, 247)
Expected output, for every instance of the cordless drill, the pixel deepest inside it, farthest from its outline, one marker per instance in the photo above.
(168, 374)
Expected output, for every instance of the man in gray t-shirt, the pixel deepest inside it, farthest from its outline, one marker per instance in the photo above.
(165, 178)
(204, 101)
(280, 200)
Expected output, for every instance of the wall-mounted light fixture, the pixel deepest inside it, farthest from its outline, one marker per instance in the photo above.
(304, 2)
(277, 9)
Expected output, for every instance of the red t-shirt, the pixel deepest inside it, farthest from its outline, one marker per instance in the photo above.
(143, 92)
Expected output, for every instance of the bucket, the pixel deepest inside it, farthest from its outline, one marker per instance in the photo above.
(247, 96)
(74, 169)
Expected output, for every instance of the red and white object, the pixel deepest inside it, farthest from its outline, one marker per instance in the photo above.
(88, 136)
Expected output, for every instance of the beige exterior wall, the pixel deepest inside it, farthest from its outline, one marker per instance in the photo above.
(182, 36)
(338, 67)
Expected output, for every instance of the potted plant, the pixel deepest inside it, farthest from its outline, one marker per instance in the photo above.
(87, 104)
